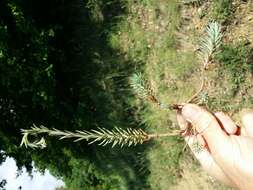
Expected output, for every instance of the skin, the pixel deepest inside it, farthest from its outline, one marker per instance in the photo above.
(228, 150)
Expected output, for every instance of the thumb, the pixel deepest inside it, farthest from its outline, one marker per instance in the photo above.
(247, 120)
(206, 124)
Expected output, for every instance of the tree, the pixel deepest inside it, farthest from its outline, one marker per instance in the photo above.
(56, 69)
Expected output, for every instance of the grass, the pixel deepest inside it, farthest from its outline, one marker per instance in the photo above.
(234, 61)
(148, 35)
(222, 10)
(232, 90)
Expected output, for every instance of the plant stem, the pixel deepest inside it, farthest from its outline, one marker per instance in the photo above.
(200, 89)
(159, 135)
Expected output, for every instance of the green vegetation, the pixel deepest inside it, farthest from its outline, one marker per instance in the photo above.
(150, 38)
(211, 42)
(70, 66)
(222, 10)
(235, 62)
(233, 75)
(193, 2)
(103, 136)
(59, 70)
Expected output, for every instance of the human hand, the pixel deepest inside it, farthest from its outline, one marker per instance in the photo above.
(227, 153)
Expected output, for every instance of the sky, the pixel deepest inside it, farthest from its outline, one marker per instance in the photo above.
(8, 171)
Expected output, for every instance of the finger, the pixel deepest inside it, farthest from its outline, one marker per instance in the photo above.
(184, 125)
(208, 126)
(247, 120)
(208, 164)
(201, 140)
(227, 123)
(243, 131)
(202, 154)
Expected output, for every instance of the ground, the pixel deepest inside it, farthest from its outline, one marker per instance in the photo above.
(164, 36)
